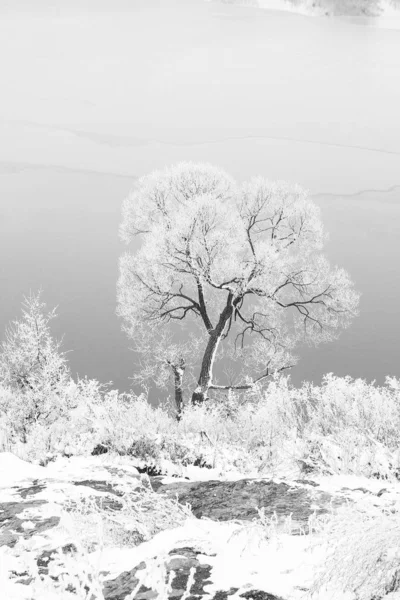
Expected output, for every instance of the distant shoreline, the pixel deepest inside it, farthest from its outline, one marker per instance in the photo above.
(349, 8)
(332, 8)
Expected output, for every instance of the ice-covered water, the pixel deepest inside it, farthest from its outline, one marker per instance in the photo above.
(97, 93)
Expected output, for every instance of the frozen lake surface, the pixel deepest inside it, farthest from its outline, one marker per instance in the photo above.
(92, 98)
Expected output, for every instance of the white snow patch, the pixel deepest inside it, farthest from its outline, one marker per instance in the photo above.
(201, 474)
(28, 525)
(335, 483)
(13, 470)
(88, 467)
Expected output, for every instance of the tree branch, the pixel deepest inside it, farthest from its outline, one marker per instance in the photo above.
(249, 386)
(202, 306)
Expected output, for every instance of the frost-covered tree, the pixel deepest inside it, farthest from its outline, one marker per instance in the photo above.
(32, 365)
(241, 263)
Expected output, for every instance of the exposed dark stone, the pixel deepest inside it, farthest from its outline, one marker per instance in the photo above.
(200, 462)
(100, 486)
(223, 595)
(181, 561)
(239, 500)
(8, 510)
(11, 525)
(187, 551)
(47, 556)
(359, 489)
(156, 482)
(150, 470)
(35, 488)
(124, 584)
(24, 578)
(145, 593)
(201, 578)
(99, 449)
(307, 482)
(259, 595)
(384, 477)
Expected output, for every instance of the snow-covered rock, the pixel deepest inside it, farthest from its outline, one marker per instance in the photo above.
(245, 543)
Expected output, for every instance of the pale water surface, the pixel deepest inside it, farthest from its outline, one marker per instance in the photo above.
(92, 97)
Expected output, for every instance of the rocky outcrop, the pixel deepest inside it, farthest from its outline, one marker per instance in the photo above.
(242, 499)
(181, 561)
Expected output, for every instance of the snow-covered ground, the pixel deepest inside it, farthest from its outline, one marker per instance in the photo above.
(241, 554)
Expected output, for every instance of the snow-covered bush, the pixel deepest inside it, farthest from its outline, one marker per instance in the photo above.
(363, 556)
(341, 426)
(354, 427)
(123, 424)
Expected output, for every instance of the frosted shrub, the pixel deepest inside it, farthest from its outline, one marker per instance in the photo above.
(24, 412)
(65, 437)
(261, 435)
(363, 556)
(127, 419)
(271, 425)
(356, 425)
(344, 402)
(122, 423)
(341, 426)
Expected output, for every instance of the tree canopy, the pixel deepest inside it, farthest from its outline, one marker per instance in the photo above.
(242, 262)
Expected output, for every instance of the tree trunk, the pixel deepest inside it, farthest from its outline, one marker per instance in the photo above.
(178, 371)
(200, 393)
